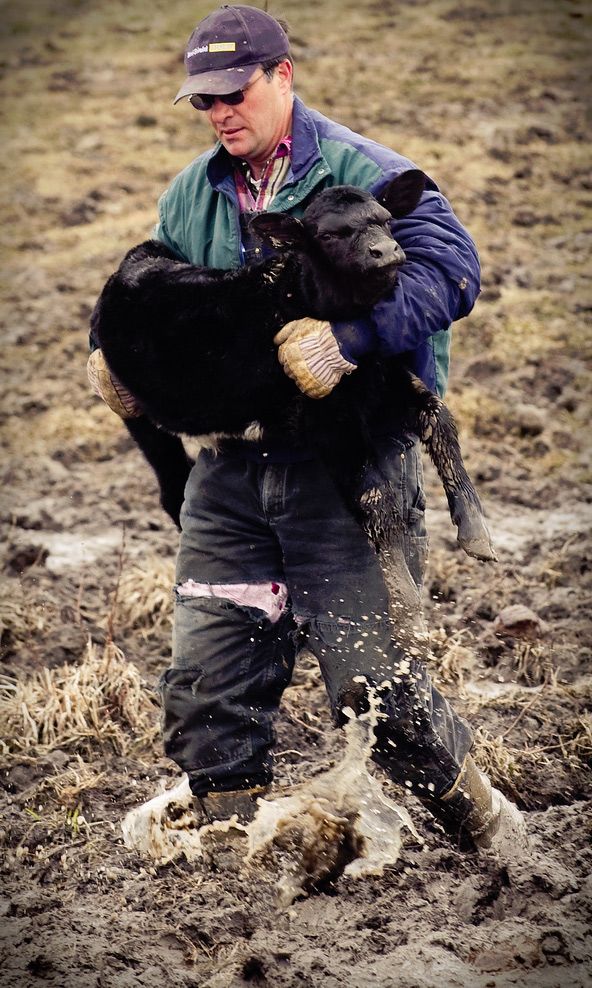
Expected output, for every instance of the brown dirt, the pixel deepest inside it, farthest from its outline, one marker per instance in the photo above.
(490, 99)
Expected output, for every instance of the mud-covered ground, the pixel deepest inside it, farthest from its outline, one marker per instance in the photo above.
(489, 98)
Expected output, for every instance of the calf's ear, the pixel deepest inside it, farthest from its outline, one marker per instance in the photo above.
(278, 229)
(403, 193)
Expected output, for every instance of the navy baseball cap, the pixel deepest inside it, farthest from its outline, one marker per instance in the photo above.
(226, 48)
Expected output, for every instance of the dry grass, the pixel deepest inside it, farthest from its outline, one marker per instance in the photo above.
(534, 664)
(445, 572)
(477, 410)
(502, 764)
(575, 743)
(56, 829)
(58, 801)
(18, 618)
(144, 599)
(564, 736)
(69, 786)
(452, 659)
(101, 702)
(88, 432)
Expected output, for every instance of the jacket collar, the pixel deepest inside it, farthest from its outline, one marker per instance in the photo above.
(305, 142)
(305, 150)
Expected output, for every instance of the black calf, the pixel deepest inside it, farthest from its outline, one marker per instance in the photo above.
(195, 347)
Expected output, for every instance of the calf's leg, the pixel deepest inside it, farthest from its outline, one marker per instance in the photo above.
(166, 455)
(437, 430)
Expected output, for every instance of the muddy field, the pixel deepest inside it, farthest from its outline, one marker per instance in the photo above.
(489, 98)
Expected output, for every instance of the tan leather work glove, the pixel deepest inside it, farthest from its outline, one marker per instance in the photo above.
(310, 355)
(106, 386)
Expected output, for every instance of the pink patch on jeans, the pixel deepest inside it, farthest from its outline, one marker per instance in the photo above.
(267, 597)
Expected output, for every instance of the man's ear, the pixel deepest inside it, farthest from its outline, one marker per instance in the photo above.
(278, 230)
(403, 193)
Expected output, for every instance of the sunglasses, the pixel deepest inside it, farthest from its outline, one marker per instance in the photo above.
(204, 101)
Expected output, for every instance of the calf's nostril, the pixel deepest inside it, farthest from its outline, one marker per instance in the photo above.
(376, 252)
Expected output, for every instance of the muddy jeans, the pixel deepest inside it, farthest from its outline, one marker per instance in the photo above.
(270, 561)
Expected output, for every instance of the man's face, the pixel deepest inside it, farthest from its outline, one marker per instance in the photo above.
(252, 129)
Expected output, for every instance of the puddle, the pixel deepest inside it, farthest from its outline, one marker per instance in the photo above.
(514, 527)
(492, 691)
(69, 551)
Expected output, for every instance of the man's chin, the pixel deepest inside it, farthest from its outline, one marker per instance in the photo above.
(235, 142)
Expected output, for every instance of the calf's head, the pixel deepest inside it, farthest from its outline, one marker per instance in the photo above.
(347, 234)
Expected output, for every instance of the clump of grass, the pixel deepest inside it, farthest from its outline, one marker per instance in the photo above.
(501, 763)
(67, 793)
(451, 658)
(144, 599)
(18, 620)
(478, 411)
(65, 427)
(445, 574)
(52, 827)
(534, 664)
(101, 702)
(69, 786)
(575, 741)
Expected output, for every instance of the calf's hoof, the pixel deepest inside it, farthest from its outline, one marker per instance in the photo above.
(479, 548)
(473, 534)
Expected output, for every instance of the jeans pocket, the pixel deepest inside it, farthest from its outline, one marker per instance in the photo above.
(199, 729)
(415, 548)
(186, 678)
(178, 689)
(416, 513)
(415, 538)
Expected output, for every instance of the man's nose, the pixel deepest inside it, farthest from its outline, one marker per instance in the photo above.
(220, 111)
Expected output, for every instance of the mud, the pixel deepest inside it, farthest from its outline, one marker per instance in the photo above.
(490, 100)
(338, 823)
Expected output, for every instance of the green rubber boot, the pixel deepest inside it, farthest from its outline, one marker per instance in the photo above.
(241, 803)
(477, 815)
(225, 815)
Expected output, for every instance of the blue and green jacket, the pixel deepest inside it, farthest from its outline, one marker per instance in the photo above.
(199, 221)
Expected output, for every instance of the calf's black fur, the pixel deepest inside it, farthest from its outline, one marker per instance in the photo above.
(195, 347)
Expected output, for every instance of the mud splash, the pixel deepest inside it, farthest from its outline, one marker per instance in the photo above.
(340, 822)
(166, 827)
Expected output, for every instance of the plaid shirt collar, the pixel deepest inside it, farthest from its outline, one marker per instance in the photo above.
(254, 196)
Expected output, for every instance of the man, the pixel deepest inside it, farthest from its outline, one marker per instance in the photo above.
(270, 559)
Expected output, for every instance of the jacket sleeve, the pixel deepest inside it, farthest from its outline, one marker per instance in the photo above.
(437, 285)
(160, 230)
